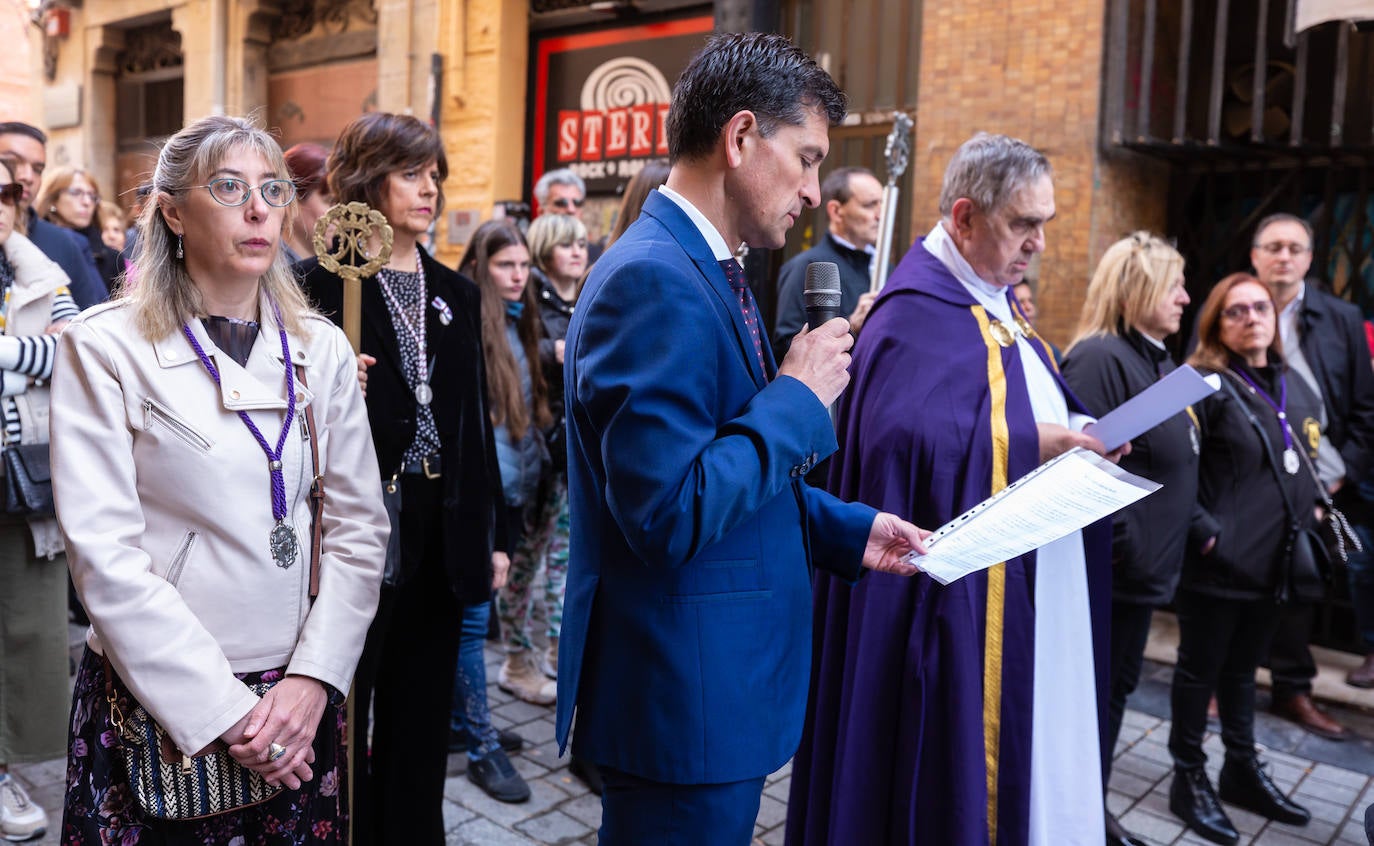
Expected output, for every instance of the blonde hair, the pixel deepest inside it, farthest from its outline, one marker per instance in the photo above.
(1132, 279)
(108, 211)
(55, 182)
(165, 297)
(549, 231)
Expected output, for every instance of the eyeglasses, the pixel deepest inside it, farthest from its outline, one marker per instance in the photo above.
(568, 202)
(1240, 311)
(1273, 248)
(232, 192)
(10, 193)
(82, 193)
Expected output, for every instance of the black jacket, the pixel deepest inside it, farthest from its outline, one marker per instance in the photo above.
(72, 253)
(854, 282)
(1333, 342)
(108, 263)
(555, 313)
(1148, 538)
(1243, 505)
(474, 525)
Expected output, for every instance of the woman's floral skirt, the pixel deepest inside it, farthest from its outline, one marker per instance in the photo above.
(100, 809)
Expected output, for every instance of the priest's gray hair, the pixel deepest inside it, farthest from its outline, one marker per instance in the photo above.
(988, 169)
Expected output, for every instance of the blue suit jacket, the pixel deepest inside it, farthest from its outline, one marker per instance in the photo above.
(686, 637)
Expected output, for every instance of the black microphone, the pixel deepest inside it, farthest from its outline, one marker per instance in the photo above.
(822, 292)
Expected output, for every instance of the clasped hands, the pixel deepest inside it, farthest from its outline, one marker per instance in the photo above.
(288, 716)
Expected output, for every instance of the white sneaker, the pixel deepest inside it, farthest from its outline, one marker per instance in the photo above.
(20, 818)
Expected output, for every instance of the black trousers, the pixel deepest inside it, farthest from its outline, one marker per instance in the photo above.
(406, 677)
(1221, 642)
(1129, 633)
(1290, 658)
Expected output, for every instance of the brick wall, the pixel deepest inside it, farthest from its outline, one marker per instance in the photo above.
(1032, 69)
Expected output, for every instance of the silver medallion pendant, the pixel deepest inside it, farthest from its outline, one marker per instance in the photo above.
(282, 542)
(1290, 461)
(424, 394)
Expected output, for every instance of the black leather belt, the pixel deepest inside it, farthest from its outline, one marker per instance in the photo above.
(431, 466)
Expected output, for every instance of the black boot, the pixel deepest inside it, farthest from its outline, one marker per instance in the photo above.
(1244, 783)
(1192, 800)
(1119, 836)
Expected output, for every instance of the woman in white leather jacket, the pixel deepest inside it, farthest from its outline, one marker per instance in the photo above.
(33, 590)
(182, 470)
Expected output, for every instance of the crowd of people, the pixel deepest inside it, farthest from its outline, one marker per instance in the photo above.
(691, 533)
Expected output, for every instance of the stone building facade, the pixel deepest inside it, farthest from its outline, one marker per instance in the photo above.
(128, 72)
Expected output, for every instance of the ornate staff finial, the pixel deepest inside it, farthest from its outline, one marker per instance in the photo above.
(354, 225)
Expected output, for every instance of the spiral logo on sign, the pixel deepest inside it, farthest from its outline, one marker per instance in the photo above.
(624, 82)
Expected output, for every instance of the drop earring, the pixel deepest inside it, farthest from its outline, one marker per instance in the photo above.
(180, 252)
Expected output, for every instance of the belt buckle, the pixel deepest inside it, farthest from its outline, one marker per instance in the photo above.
(424, 465)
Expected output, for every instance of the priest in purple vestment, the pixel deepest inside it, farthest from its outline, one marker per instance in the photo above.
(927, 722)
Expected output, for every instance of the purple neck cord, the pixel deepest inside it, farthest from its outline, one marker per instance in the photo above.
(273, 457)
(1280, 407)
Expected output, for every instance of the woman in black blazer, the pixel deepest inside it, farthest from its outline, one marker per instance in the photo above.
(426, 401)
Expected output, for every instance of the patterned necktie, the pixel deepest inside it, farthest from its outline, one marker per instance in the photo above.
(734, 274)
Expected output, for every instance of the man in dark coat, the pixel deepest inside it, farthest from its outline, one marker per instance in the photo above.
(852, 199)
(925, 699)
(1323, 342)
(24, 149)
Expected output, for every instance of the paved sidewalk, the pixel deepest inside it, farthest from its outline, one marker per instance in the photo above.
(562, 811)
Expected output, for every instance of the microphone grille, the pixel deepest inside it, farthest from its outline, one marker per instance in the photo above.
(822, 284)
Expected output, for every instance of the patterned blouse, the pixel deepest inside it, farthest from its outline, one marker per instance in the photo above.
(404, 293)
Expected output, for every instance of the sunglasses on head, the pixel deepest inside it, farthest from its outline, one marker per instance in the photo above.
(568, 203)
(10, 194)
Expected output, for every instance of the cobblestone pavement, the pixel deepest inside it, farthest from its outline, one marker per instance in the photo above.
(562, 811)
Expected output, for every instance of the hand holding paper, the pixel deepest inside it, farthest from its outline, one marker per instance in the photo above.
(1062, 496)
(1153, 406)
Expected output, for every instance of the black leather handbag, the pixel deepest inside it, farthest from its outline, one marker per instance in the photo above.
(28, 480)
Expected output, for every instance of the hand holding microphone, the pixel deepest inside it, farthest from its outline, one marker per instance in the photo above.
(819, 356)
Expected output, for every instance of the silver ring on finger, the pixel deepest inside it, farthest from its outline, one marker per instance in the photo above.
(275, 751)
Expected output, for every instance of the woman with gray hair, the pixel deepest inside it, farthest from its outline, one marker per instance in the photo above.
(191, 423)
(1135, 301)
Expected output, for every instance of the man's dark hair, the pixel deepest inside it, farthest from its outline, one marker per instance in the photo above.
(836, 185)
(756, 71)
(1283, 217)
(14, 127)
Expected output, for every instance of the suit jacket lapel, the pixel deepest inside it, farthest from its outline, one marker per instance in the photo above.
(435, 326)
(685, 232)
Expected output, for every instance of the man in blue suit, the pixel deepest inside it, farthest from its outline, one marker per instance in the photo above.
(686, 639)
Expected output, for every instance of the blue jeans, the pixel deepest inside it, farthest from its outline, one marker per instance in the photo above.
(1360, 572)
(470, 717)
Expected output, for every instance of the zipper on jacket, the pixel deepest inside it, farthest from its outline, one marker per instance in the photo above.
(179, 560)
(153, 410)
